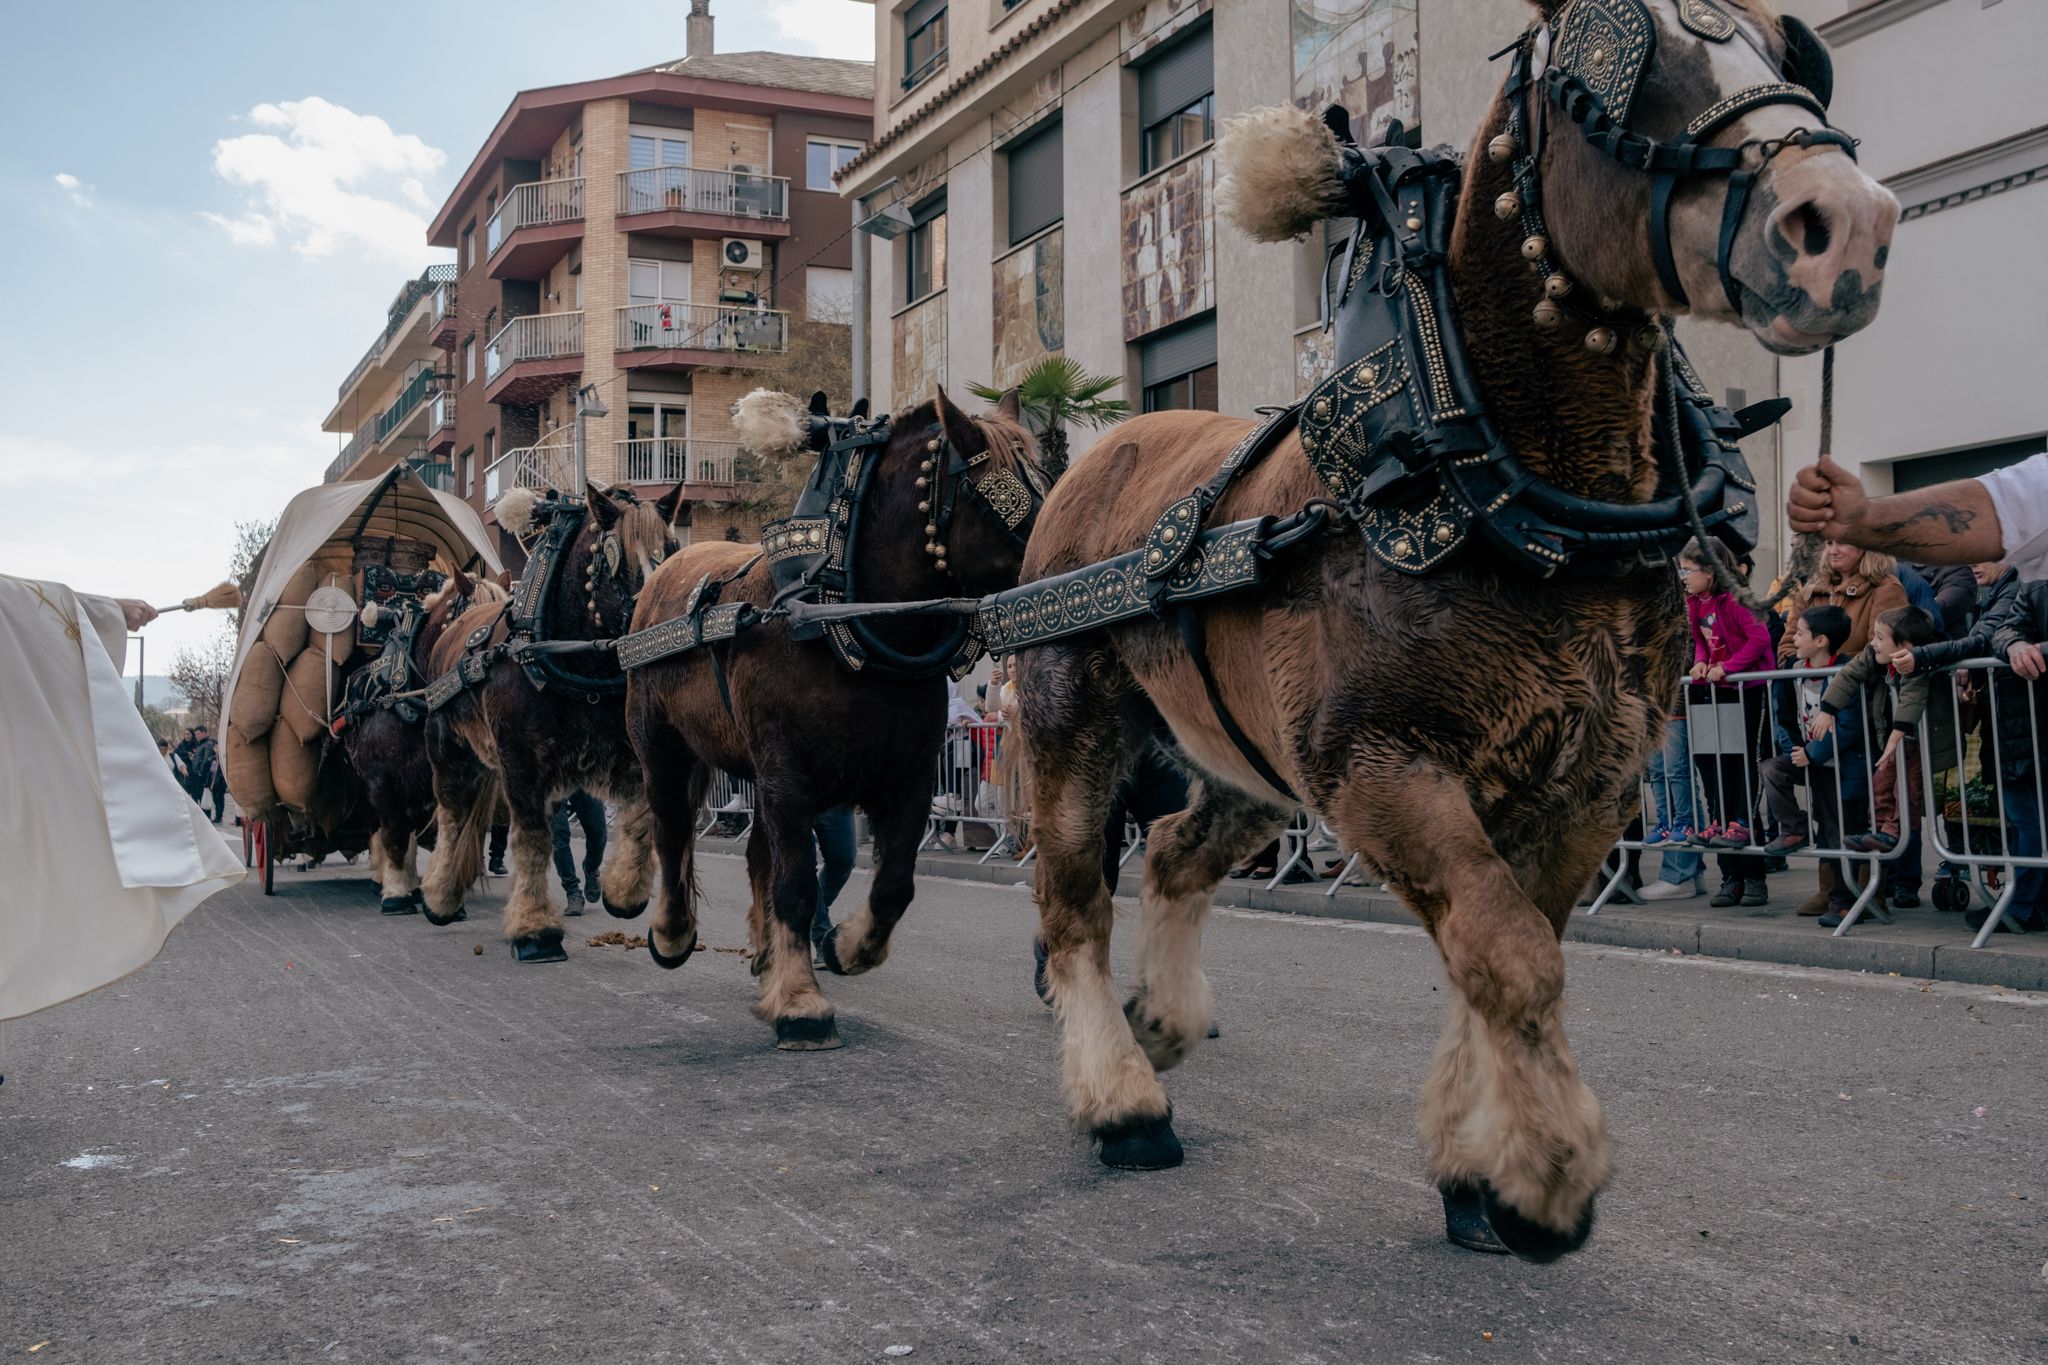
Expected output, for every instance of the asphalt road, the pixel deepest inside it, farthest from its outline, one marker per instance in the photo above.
(312, 1133)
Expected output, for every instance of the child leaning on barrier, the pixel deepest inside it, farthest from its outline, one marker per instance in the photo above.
(1836, 786)
(1867, 675)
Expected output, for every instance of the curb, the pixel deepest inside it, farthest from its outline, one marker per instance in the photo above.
(1866, 950)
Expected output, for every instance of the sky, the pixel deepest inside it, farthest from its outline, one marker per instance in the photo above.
(211, 205)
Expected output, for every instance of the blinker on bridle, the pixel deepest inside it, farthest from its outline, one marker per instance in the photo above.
(1599, 52)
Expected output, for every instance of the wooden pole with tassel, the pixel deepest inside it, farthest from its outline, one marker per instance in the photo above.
(219, 597)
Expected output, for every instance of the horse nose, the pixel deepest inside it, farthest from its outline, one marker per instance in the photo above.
(1832, 230)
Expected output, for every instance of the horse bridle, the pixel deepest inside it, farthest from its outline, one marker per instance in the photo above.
(611, 552)
(1598, 51)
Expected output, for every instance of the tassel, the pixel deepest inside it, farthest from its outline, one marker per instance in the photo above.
(219, 597)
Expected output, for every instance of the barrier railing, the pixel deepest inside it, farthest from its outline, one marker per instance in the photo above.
(1997, 829)
(970, 789)
(730, 802)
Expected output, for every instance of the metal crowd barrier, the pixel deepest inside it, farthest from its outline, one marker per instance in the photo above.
(1718, 723)
(2010, 800)
(729, 798)
(970, 788)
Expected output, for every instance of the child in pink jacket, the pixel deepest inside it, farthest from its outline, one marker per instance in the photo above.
(1727, 638)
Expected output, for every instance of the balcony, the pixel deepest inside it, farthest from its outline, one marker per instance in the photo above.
(546, 464)
(441, 311)
(393, 420)
(532, 356)
(682, 201)
(437, 476)
(441, 423)
(534, 227)
(712, 470)
(678, 335)
(361, 444)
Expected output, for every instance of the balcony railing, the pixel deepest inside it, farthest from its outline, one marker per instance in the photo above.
(416, 389)
(442, 414)
(438, 280)
(537, 336)
(444, 301)
(701, 327)
(533, 204)
(435, 475)
(550, 463)
(737, 194)
(675, 459)
(358, 446)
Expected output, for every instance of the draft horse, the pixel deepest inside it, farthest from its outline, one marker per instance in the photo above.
(520, 703)
(931, 504)
(384, 735)
(1467, 687)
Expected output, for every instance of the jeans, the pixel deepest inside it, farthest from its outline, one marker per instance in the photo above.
(1155, 788)
(832, 831)
(2023, 812)
(589, 813)
(1671, 789)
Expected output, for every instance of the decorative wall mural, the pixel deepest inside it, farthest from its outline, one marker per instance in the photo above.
(919, 353)
(1169, 247)
(1360, 54)
(1030, 312)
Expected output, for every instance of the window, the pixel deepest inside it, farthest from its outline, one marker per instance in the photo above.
(658, 444)
(1178, 367)
(657, 295)
(469, 246)
(490, 449)
(647, 147)
(823, 156)
(828, 294)
(469, 361)
(924, 40)
(657, 281)
(1037, 181)
(1176, 99)
(467, 460)
(924, 250)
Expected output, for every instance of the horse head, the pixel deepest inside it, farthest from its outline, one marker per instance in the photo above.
(1645, 158)
(619, 544)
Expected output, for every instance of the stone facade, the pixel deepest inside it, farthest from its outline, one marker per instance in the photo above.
(1030, 306)
(1169, 246)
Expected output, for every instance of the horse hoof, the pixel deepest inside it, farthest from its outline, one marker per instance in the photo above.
(807, 1035)
(1465, 1219)
(670, 963)
(434, 919)
(399, 905)
(1531, 1240)
(828, 949)
(545, 947)
(1141, 1144)
(623, 911)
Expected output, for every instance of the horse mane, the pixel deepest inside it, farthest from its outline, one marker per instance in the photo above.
(1011, 446)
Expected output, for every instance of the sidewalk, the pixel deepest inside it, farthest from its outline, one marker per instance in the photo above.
(1923, 943)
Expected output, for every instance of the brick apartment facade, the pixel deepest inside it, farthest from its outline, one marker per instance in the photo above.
(649, 236)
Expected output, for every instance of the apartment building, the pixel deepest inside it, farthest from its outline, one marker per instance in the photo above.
(1948, 100)
(396, 405)
(1040, 183)
(644, 240)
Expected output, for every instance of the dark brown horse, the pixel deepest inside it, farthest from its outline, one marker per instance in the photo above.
(807, 731)
(538, 743)
(1477, 730)
(388, 751)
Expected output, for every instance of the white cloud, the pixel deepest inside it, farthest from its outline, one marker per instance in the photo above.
(325, 178)
(76, 190)
(826, 28)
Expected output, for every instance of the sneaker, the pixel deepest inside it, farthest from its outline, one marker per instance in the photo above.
(497, 868)
(1880, 842)
(574, 895)
(1671, 891)
(1905, 898)
(1660, 836)
(591, 895)
(1729, 894)
(1734, 834)
(1707, 835)
(1785, 843)
(1754, 892)
(1834, 917)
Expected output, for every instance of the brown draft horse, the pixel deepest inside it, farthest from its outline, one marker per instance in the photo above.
(808, 732)
(389, 753)
(1476, 732)
(537, 745)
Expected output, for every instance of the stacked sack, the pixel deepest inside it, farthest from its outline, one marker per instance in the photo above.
(278, 723)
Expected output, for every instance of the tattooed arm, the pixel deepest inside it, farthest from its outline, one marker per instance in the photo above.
(1950, 523)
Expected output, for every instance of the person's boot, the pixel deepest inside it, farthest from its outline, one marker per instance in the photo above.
(1755, 892)
(1729, 894)
(1817, 903)
(574, 893)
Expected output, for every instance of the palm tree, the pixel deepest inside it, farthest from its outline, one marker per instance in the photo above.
(1053, 393)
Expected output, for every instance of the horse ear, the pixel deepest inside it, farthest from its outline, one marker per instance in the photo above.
(957, 425)
(603, 511)
(1007, 406)
(820, 405)
(670, 504)
(860, 409)
(505, 579)
(465, 586)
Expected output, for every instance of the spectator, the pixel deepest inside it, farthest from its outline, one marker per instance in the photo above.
(1997, 589)
(1868, 675)
(958, 753)
(1920, 594)
(1860, 582)
(589, 813)
(1670, 779)
(1833, 786)
(199, 767)
(176, 765)
(1955, 591)
(1727, 639)
(2015, 702)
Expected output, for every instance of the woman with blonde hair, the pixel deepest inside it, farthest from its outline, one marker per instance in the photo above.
(1864, 583)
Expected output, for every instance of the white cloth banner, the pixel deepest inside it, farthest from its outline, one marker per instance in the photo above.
(103, 851)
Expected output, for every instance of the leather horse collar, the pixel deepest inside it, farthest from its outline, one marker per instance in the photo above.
(811, 552)
(1597, 55)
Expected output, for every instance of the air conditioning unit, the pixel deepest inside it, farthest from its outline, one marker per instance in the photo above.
(743, 253)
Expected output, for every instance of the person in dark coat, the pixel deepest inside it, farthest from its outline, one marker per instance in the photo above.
(1955, 591)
